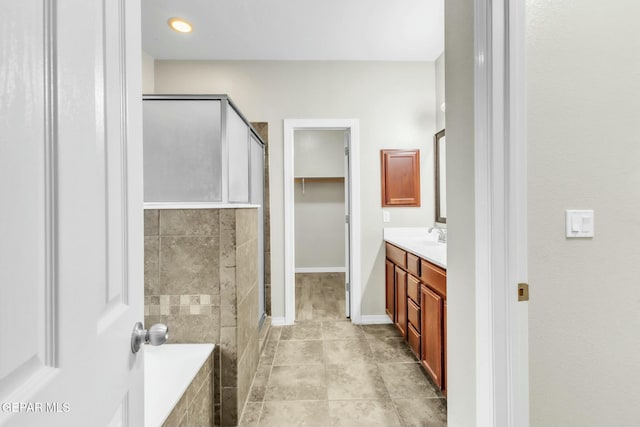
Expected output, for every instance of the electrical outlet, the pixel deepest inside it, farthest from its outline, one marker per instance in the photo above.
(386, 216)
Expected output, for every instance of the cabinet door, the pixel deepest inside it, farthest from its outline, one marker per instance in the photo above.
(432, 334)
(401, 301)
(400, 176)
(444, 326)
(390, 289)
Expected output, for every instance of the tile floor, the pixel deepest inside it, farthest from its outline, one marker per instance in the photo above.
(322, 372)
(320, 296)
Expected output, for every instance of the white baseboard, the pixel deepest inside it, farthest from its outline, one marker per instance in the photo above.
(278, 321)
(376, 319)
(320, 270)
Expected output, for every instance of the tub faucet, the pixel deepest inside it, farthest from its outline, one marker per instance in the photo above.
(442, 237)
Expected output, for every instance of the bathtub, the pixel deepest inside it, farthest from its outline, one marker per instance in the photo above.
(168, 371)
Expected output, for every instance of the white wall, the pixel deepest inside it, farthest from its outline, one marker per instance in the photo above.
(318, 153)
(584, 152)
(319, 226)
(148, 77)
(461, 369)
(320, 208)
(394, 101)
(440, 84)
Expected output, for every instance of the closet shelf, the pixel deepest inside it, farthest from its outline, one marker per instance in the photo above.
(303, 179)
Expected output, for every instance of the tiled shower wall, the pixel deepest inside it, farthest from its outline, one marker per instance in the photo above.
(201, 279)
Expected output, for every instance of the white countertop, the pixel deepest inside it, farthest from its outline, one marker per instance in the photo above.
(418, 241)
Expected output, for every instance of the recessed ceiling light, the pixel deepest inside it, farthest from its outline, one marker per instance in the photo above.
(180, 25)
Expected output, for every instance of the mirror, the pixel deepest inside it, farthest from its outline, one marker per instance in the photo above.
(440, 156)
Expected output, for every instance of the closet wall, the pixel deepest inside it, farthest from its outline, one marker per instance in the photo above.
(319, 200)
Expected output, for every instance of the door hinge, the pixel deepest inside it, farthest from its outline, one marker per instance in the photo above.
(347, 286)
(346, 219)
(346, 151)
(523, 292)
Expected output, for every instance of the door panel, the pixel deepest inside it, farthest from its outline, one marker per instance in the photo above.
(431, 331)
(401, 301)
(72, 162)
(26, 260)
(390, 304)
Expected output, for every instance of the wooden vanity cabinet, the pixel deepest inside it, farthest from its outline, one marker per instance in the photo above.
(401, 300)
(432, 342)
(415, 296)
(400, 177)
(390, 291)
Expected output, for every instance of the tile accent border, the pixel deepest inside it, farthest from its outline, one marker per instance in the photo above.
(155, 305)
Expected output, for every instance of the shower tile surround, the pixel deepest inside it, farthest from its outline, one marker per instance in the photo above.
(201, 279)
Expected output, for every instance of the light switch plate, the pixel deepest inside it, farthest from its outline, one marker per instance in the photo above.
(386, 216)
(579, 223)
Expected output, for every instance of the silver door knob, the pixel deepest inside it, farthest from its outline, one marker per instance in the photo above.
(155, 335)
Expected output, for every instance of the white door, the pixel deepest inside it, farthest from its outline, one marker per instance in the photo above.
(71, 249)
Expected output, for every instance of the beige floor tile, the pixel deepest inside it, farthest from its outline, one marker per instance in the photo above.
(299, 353)
(391, 350)
(407, 381)
(341, 330)
(422, 412)
(347, 351)
(381, 331)
(251, 415)
(301, 331)
(355, 381)
(325, 371)
(363, 413)
(294, 414)
(297, 383)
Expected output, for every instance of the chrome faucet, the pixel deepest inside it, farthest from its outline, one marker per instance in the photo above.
(442, 238)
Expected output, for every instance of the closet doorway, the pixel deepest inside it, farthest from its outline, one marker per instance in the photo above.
(321, 220)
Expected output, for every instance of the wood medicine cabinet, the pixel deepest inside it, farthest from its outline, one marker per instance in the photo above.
(400, 175)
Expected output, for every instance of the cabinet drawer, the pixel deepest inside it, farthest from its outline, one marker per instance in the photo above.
(413, 338)
(413, 289)
(413, 264)
(413, 314)
(434, 277)
(397, 256)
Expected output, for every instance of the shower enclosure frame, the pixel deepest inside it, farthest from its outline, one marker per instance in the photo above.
(226, 198)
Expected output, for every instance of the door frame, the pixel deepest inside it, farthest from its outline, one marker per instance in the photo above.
(502, 365)
(352, 126)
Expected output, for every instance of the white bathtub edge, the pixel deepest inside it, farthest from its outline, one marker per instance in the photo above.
(177, 365)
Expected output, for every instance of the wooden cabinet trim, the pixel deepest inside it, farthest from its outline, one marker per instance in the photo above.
(396, 255)
(401, 301)
(413, 264)
(413, 289)
(390, 291)
(413, 314)
(434, 277)
(432, 334)
(413, 338)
